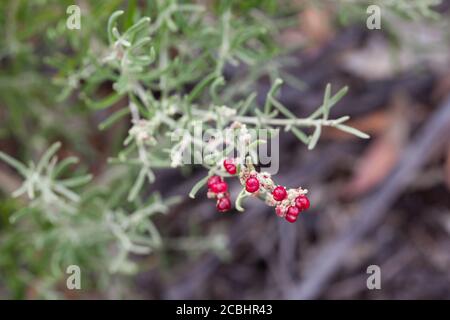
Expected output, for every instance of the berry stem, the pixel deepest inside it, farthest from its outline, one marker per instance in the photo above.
(241, 196)
(198, 186)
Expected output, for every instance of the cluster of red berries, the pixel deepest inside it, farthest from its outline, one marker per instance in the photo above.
(284, 206)
(288, 203)
(291, 212)
(218, 188)
(301, 203)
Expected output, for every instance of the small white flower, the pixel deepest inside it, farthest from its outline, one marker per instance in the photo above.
(226, 112)
(140, 131)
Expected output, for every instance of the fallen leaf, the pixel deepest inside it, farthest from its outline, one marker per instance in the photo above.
(382, 155)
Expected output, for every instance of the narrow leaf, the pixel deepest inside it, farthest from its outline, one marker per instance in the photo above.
(45, 160)
(77, 181)
(198, 186)
(21, 168)
(353, 131)
(116, 116)
(103, 103)
(111, 21)
(137, 185)
(326, 102)
(315, 137)
(332, 102)
(300, 135)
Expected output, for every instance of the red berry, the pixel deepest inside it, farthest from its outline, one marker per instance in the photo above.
(279, 211)
(229, 166)
(290, 218)
(293, 211)
(302, 202)
(223, 204)
(227, 162)
(279, 193)
(292, 214)
(252, 184)
(219, 187)
(214, 180)
(231, 169)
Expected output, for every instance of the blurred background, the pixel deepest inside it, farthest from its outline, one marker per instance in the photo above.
(383, 201)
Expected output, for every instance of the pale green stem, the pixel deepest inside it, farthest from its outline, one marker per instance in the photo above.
(290, 122)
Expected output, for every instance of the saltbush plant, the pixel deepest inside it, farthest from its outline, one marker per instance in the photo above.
(162, 70)
(167, 72)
